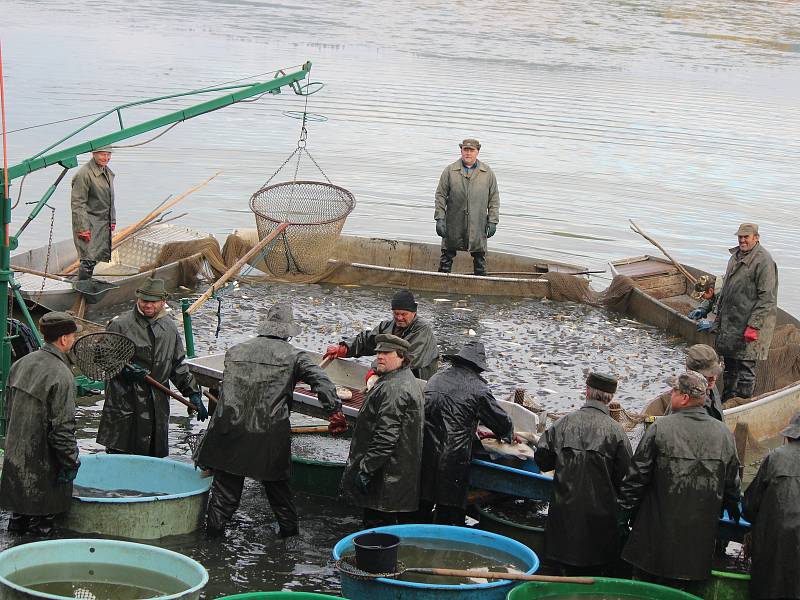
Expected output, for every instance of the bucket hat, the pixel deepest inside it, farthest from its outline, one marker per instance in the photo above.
(153, 290)
(279, 322)
(473, 352)
(793, 429)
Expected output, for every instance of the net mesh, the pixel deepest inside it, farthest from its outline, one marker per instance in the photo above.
(347, 565)
(101, 356)
(315, 212)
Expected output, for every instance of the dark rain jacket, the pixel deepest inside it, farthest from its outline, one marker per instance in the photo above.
(135, 417)
(467, 204)
(456, 399)
(424, 351)
(772, 505)
(590, 454)
(684, 470)
(749, 297)
(249, 433)
(662, 405)
(41, 434)
(387, 444)
(93, 209)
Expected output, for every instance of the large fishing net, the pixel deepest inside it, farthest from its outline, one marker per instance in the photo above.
(315, 212)
(101, 356)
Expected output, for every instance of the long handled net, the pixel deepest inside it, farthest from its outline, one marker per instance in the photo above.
(101, 356)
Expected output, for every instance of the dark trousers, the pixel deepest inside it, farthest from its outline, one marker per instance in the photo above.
(678, 584)
(226, 493)
(41, 525)
(86, 269)
(440, 514)
(379, 518)
(478, 261)
(739, 378)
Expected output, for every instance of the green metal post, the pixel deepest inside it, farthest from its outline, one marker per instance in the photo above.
(187, 328)
(26, 314)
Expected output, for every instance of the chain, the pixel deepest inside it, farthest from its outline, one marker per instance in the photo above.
(49, 249)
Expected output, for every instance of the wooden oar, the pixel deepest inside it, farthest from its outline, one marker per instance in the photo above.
(234, 270)
(634, 227)
(40, 273)
(154, 214)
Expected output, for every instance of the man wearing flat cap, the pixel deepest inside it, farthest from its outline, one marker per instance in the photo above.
(456, 400)
(135, 418)
(467, 208)
(41, 452)
(94, 217)
(772, 505)
(683, 474)
(383, 468)
(590, 454)
(423, 348)
(250, 434)
(746, 312)
(703, 359)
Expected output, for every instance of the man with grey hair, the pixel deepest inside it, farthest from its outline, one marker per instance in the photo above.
(590, 454)
(746, 312)
(467, 208)
(683, 474)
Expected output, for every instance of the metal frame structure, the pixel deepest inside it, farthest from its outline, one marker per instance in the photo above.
(67, 158)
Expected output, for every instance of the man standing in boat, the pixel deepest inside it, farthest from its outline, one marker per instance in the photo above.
(41, 459)
(135, 418)
(423, 349)
(467, 208)
(746, 312)
(683, 474)
(249, 434)
(703, 359)
(590, 454)
(456, 399)
(382, 474)
(93, 215)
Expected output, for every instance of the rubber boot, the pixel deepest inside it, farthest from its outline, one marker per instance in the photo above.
(86, 269)
(446, 261)
(18, 523)
(280, 499)
(226, 493)
(479, 263)
(746, 381)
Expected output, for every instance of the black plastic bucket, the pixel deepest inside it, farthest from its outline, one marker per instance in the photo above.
(376, 552)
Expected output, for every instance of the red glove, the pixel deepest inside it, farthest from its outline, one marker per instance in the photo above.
(113, 226)
(750, 334)
(337, 423)
(369, 374)
(336, 351)
(484, 434)
(86, 236)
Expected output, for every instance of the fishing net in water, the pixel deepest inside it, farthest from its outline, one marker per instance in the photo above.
(101, 356)
(315, 212)
(572, 288)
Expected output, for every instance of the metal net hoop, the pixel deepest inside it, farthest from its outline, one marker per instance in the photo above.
(101, 356)
(315, 212)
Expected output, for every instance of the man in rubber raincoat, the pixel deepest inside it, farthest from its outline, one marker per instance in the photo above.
(250, 434)
(135, 418)
(41, 452)
(405, 324)
(456, 400)
(383, 467)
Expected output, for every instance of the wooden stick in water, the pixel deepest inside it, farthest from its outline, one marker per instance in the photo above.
(494, 575)
(634, 227)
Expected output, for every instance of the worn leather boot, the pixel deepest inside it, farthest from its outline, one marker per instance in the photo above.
(479, 263)
(446, 261)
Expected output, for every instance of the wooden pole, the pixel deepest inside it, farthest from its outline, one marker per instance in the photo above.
(170, 393)
(153, 214)
(495, 575)
(40, 273)
(311, 429)
(234, 270)
(634, 227)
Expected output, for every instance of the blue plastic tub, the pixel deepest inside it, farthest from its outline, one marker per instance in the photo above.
(179, 511)
(392, 589)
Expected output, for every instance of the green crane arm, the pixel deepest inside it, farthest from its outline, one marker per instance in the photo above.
(68, 158)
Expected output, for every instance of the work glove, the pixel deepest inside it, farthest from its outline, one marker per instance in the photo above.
(86, 236)
(491, 229)
(441, 228)
(335, 351)
(705, 325)
(485, 434)
(697, 313)
(733, 511)
(511, 439)
(196, 398)
(133, 372)
(750, 334)
(363, 480)
(113, 226)
(337, 423)
(66, 475)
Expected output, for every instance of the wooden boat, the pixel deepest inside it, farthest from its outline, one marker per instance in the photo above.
(380, 262)
(661, 298)
(123, 271)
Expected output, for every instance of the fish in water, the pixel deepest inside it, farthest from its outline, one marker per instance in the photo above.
(81, 491)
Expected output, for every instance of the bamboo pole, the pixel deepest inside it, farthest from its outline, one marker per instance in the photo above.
(153, 214)
(634, 227)
(230, 273)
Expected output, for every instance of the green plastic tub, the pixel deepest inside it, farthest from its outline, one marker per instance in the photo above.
(603, 586)
(278, 596)
(723, 585)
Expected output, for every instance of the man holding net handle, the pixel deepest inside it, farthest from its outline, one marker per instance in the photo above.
(135, 418)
